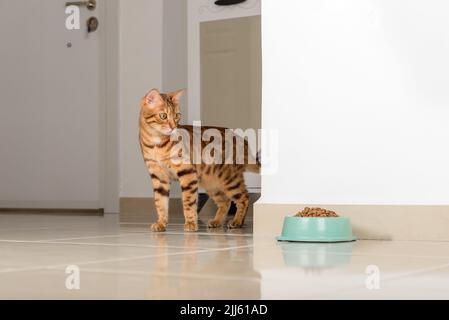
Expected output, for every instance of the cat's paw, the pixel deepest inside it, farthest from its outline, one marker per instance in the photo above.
(191, 226)
(158, 227)
(214, 223)
(234, 224)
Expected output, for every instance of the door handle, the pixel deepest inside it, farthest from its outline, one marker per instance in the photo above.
(90, 4)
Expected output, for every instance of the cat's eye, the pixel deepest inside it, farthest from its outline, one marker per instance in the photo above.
(163, 116)
(178, 116)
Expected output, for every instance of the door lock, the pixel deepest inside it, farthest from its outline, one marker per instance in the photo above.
(92, 24)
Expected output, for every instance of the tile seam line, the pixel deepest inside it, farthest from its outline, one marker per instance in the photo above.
(189, 275)
(63, 239)
(248, 235)
(11, 270)
(123, 245)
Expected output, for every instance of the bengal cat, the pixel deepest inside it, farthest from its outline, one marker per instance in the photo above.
(224, 182)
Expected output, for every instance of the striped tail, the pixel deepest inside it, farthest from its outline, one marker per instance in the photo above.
(255, 168)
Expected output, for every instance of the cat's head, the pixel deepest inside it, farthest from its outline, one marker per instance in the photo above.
(161, 111)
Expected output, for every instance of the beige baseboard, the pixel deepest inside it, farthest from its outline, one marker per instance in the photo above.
(142, 210)
(53, 211)
(379, 222)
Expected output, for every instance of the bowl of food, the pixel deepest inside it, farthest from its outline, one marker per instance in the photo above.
(316, 225)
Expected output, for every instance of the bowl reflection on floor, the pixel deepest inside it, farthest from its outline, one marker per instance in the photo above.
(316, 255)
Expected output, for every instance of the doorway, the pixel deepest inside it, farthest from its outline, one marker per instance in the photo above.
(231, 79)
(225, 72)
(225, 67)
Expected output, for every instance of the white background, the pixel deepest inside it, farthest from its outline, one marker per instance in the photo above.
(360, 93)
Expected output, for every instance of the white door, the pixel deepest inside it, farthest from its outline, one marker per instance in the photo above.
(50, 137)
(224, 69)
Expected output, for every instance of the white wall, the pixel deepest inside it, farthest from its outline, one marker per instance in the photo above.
(153, 54)
(174, 61)
(140, 70)
(174, 58)
(359, 92)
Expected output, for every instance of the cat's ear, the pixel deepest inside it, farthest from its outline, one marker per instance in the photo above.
(176, 95)
(152, 98)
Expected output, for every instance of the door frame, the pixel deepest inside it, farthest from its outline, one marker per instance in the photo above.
(109, 45)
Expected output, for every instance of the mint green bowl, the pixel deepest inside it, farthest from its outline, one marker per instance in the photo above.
(317, 230)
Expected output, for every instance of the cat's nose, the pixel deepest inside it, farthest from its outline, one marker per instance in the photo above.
(168, 131)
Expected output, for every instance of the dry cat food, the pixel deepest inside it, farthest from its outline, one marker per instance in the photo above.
(316, 213)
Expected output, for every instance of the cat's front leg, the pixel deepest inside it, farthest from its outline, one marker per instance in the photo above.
(161, 188)
(189, 184)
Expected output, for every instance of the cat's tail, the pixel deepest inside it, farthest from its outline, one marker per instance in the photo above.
(255, 167)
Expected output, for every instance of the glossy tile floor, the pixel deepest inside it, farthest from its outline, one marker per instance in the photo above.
(127, 261)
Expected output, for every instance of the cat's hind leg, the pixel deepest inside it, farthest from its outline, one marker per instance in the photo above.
(223, 203)
(237, 192)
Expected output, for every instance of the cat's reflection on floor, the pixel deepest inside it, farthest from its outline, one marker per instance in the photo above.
(196, 263)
